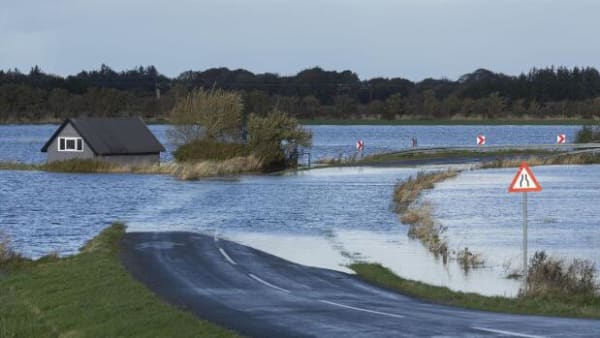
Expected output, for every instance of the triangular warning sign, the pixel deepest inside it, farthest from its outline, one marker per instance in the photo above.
(524, 180)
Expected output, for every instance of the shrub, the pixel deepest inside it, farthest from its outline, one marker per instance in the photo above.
(201, 150)
(549, 276)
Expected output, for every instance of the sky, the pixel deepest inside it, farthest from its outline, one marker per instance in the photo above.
(414, 39)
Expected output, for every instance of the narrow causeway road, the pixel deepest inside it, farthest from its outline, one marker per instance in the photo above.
(261, 295)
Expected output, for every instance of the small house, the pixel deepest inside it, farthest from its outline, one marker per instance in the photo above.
(126, 141)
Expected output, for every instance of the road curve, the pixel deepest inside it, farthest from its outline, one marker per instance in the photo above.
(261, 295)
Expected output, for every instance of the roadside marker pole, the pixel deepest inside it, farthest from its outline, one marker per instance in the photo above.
(524, 182)
(525, 243)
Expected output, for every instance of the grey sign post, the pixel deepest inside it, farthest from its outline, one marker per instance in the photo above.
(524, 182)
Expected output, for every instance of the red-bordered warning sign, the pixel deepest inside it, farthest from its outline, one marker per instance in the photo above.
(524, 180)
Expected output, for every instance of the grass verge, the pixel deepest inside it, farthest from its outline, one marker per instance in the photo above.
(549, 305)
(89, 295)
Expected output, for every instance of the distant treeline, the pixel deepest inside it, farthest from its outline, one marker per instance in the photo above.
(311, 94)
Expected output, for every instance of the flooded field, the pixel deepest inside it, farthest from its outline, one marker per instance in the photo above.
(320, 217)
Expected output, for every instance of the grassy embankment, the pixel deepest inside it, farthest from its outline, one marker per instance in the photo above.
(87, 295)
(548, 303)
(422, 226)
(183, 170)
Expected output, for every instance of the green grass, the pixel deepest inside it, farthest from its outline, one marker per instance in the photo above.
(428, 122)
(89, 295)
(566, 306)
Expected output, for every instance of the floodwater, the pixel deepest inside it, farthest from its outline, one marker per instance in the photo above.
(320, 217)
(22, 143)
(562, 219)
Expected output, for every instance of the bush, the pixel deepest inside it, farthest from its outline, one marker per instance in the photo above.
(201, 150)
(275, 138)
(548, 276)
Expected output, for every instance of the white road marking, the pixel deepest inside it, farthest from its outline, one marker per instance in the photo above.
(267, 283)
(506, 333)
(227, 256)
(215, 237)
(361, 309)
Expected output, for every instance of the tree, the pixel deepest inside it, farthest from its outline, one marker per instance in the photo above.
(214, 115)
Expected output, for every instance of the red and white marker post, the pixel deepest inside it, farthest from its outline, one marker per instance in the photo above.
(524, 182)
(480, 140)
(561, 139)
(360, 145)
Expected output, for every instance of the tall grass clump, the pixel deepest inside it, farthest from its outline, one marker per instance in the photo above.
(549, 277)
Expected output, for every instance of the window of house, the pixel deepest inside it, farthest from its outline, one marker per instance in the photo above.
(70, 144)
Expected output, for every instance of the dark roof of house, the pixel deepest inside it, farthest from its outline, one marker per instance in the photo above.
(113, 136)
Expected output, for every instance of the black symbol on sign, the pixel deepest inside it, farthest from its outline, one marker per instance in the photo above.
(524, 177)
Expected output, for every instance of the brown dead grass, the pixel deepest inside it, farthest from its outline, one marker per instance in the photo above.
(550, 277)
(422, 225)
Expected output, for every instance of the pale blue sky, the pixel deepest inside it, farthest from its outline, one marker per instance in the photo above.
(413, 38)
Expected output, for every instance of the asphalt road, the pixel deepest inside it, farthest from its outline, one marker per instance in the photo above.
(261, 295)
